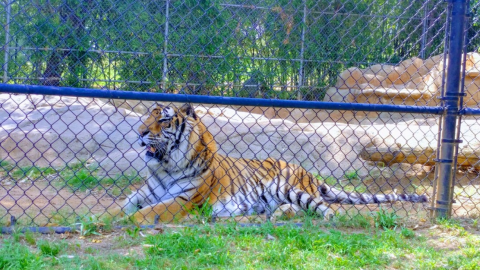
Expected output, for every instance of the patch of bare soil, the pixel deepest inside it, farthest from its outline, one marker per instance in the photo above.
(45, 202)
(41, 202)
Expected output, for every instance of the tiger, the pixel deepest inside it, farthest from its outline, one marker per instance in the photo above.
(185, 171)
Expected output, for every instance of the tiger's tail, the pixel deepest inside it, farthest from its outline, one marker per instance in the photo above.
(333, 195)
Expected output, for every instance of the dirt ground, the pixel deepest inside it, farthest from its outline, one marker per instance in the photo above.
(43, 202)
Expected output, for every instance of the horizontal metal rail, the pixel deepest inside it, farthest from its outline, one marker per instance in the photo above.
(111, 94)
(470, 111)
(207, 56)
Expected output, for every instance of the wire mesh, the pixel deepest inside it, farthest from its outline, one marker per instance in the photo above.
(63, 157)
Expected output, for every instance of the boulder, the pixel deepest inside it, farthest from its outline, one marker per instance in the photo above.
(412, 82)
(414, 143)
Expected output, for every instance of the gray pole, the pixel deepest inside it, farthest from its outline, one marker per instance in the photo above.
(7, 41)
(424, 31)
(448, 139)
(302, 51)
(165, 48)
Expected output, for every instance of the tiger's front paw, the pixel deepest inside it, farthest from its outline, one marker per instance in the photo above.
(145, 217)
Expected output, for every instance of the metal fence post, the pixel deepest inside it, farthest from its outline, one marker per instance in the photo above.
(8, 5)
(165, 47)
(448, 139)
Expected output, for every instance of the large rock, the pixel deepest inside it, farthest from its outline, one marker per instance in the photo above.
(417, 144)
(411, 82)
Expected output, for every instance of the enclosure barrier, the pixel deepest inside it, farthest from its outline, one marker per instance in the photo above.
(367, 99)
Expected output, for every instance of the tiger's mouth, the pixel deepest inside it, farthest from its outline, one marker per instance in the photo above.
(154, 152)
(151, 149)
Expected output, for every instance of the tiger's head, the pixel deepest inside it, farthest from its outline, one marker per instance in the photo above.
(173, 134)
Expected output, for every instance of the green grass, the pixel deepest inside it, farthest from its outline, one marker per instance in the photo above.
(5, 166)
(77, 176)
(202, 214)
(230, 246)
(352, 175)
(352, 220)
(48, 248)
(91, 225)
(82, 177)
(32, 173)
(27, 172)
(385, 220)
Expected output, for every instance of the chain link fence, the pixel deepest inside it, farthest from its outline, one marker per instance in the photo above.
(360, 93)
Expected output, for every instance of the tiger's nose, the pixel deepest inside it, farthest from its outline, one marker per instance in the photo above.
(140, 138)
(141, 142)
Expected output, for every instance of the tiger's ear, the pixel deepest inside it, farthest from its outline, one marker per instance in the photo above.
(188, 110)
(157, 105)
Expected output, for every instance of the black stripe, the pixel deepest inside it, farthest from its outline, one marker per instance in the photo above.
(183, 198)
(196, 196)
(288, 174)
(278, 188)
(309, 201)
(189, 189)
(375, 199)
(299, 198)
(287, 194)
(243, 190)
(318, 205)
(182, 127)
(263, 198)
(153, 193)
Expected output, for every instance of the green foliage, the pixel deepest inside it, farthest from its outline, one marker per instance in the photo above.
(133, 232)
(209, 45)
(48, 248)
(231, 246)
(202, 214)
(31, 172)
(5, 165)
(16, 256)
(452, 225)
(30, 238)
(89, 225)
(385, 220)
(448, 223)
(407, 233)
(78, 176)
(352, 221)
(352, 175)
